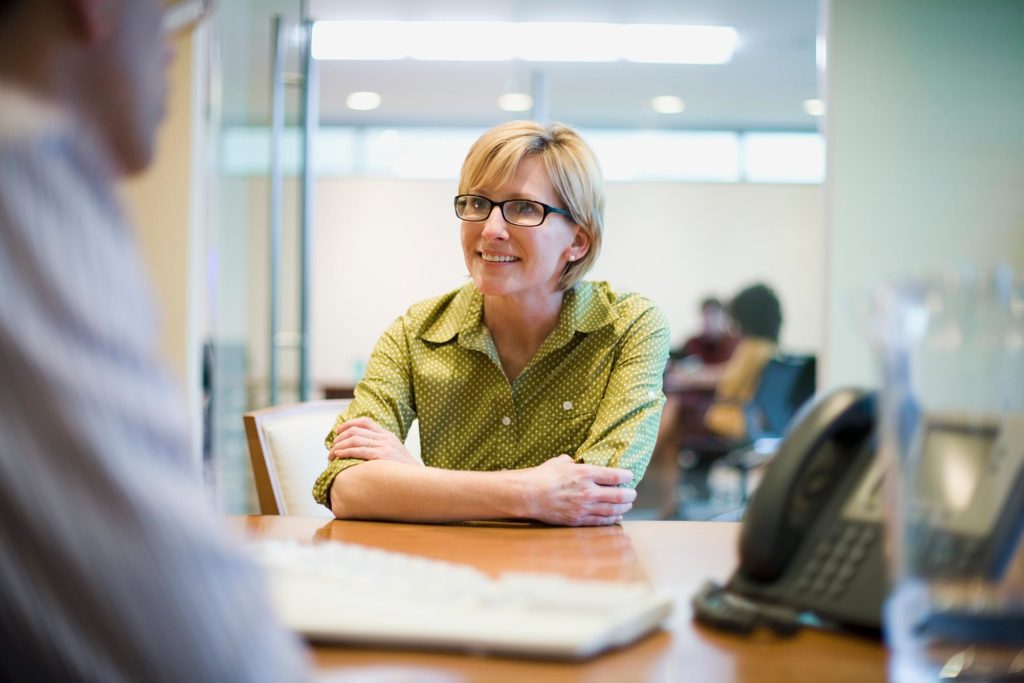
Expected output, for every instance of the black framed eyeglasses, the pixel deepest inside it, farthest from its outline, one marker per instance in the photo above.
(523, 212)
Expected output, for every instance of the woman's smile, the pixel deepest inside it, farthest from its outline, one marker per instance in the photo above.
(497, 258)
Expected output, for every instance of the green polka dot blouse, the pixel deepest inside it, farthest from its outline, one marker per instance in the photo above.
(592, 390)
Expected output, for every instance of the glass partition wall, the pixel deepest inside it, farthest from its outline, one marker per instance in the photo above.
(257, 244)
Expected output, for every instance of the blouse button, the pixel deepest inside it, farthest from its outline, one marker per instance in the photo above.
(567, 405)
(506, 420)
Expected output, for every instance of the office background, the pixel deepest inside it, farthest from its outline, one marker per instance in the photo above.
(924, 137)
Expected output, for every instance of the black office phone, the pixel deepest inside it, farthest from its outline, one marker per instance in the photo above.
(812, 538)
(812, 534)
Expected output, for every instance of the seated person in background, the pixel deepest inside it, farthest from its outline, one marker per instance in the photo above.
(691, 383)
(715, 342)
(757, 313)
(721, 425)
(538, 394)
(693, 372)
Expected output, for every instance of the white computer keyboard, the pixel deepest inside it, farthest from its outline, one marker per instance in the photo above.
(342, 592)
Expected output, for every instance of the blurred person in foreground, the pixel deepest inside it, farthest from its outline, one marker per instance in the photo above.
(538, 393)
(114, 568)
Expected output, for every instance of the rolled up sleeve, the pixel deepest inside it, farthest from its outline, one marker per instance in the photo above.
(626, 424)
(384, 395)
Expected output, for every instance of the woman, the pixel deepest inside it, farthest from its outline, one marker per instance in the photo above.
(538, 395)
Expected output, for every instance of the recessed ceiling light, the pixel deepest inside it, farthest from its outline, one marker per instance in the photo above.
(814, 107)
(667, 104)
(529, 41)
(515, 101)
(362, 100)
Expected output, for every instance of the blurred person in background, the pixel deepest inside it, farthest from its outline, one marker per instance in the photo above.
(114, 567)
(716, 340)
(693, 371)
(717, 423)
(757, 313)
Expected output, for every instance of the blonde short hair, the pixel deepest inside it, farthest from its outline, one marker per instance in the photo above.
(572, 168)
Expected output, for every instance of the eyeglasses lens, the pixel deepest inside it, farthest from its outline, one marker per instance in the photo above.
(524, 213)
(472, 208)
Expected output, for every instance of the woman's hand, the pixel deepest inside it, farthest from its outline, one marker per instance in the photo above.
(564, 492)
(365, 439)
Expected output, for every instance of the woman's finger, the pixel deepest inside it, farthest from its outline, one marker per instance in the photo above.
(608, 476)
(358, 441)
(610, 509)
(350, 441)
(599, 520)
(356, 423)
(359, 452)
(361, 423)
(356, 437)
(612, 494)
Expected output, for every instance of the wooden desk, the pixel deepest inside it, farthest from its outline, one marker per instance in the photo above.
(675, 556)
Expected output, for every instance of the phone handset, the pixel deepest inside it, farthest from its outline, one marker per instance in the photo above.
(816, 450)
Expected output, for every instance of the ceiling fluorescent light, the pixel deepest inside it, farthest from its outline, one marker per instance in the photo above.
(678, 44)
(359, 40)
(530, 41)
(549, 41)
(478, 41)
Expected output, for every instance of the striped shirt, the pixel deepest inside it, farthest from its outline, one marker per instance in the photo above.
(113, 566)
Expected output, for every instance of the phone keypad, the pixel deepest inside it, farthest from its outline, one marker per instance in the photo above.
(834, 561)
(939, 553)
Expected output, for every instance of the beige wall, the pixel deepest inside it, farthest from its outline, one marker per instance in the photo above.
(164, 204)
(384, 244)
(159, 203)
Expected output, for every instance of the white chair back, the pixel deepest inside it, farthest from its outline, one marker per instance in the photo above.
(286, 445)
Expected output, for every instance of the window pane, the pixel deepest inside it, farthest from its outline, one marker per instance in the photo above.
(783, 157)
(666, 155)
(417, 152)
(625, 155)
(246, 151)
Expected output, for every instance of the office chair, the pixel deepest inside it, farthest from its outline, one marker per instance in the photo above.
(787, 382)
(286, 446)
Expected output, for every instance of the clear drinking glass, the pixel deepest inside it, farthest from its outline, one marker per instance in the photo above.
(952, 440)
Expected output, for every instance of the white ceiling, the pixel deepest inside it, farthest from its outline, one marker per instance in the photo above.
(771, 74)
